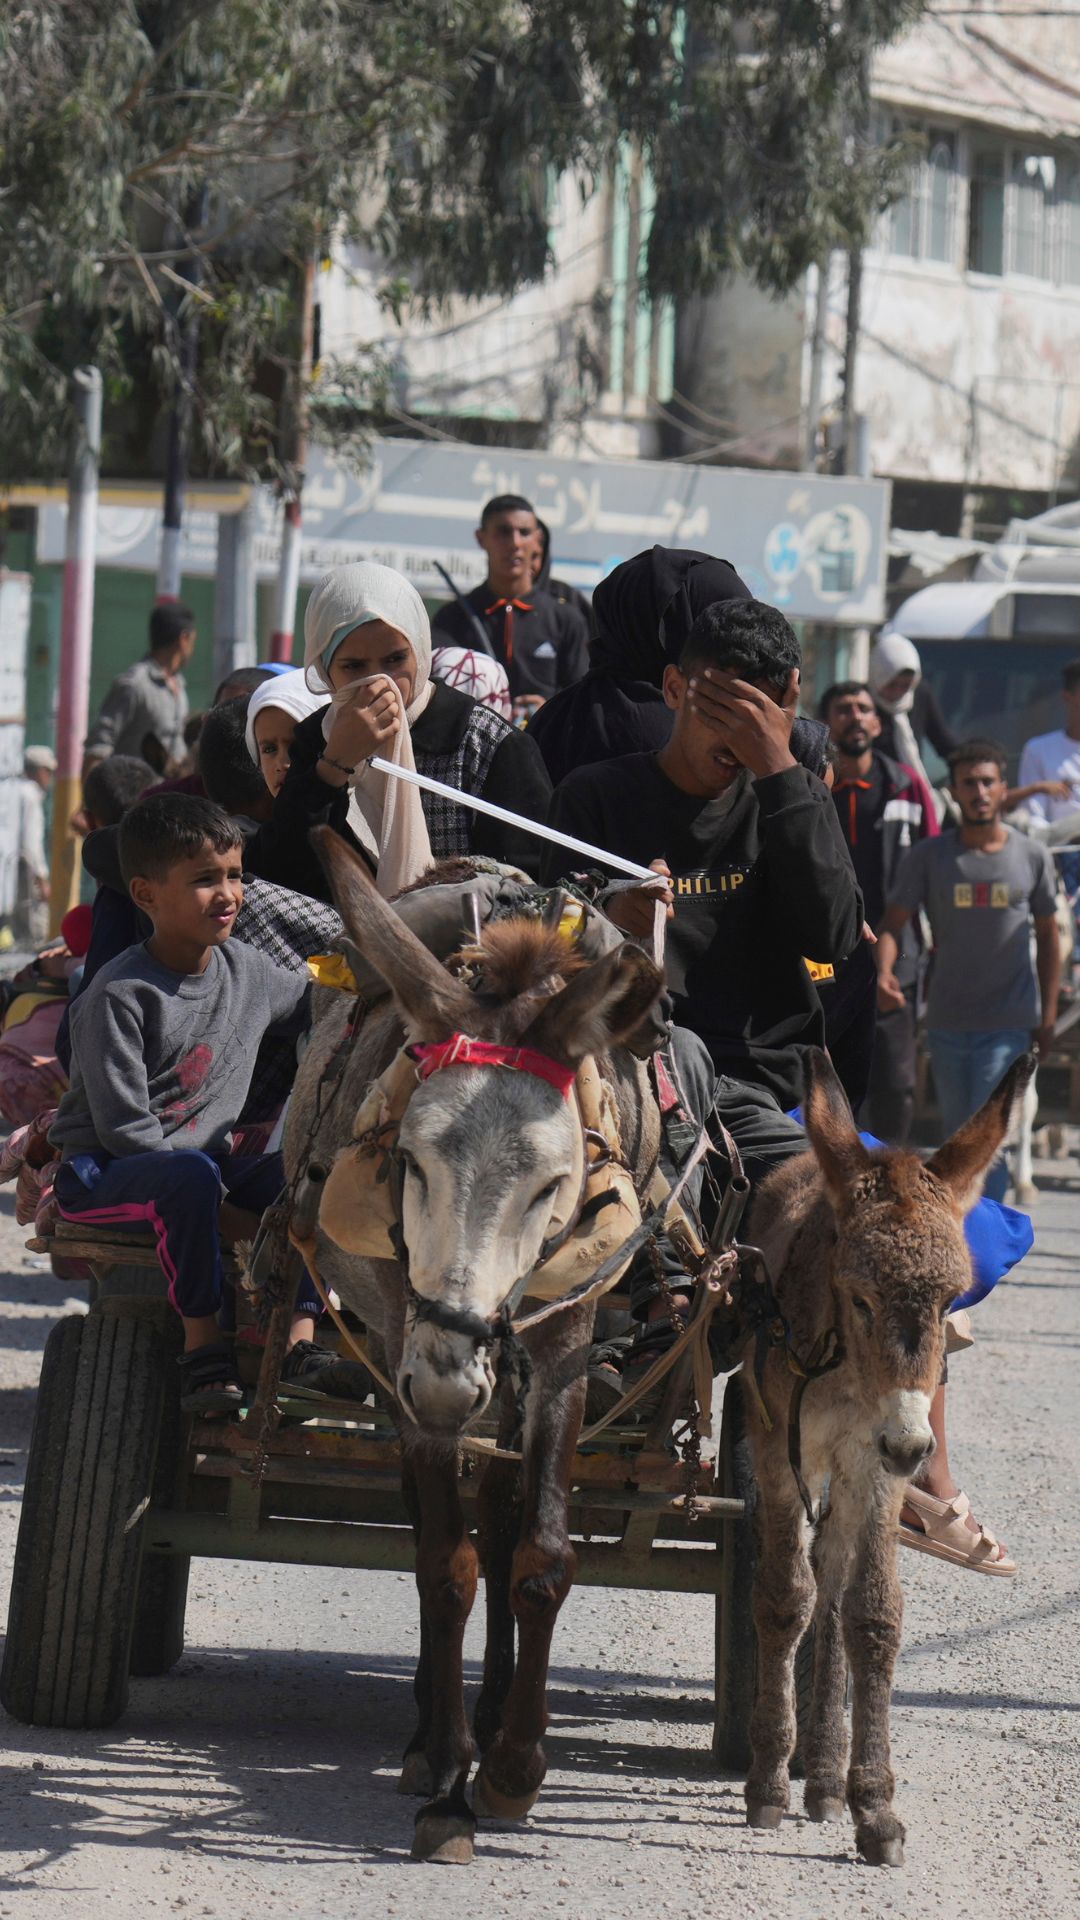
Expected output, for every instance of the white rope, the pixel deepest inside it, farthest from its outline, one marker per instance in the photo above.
(535, 827)
(659, 933)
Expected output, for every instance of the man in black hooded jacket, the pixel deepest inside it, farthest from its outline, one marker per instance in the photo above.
(758, 881)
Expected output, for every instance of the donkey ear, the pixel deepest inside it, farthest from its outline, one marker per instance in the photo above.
(433, 1003)
(830, 1128)
(962, 1162)
(600, 1008)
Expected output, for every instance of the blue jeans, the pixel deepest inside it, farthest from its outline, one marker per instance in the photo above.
(967, 1068)
(176, 1195)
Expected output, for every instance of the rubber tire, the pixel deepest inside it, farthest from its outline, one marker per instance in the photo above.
(76, 1570)
(161, 1602)
(161, 1605)
(736, 1640)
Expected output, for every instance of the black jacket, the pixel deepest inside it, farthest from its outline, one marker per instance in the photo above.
(549, 637)
(761, 885)
(516, 779)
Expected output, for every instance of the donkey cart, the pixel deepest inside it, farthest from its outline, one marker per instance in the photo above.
(122, 1491)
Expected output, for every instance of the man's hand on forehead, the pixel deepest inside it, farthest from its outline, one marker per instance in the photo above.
(752, 720)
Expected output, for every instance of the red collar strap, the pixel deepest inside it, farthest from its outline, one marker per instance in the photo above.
(460, 1051)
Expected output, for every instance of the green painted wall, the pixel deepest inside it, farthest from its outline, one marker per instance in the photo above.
(122, 603)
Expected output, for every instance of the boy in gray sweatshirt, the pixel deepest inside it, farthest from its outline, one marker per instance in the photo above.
(163, 1043)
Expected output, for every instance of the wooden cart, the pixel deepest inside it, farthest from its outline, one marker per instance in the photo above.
(122, 1491)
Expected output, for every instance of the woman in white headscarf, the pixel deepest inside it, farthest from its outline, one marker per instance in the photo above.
(367, 653)
(909, 712)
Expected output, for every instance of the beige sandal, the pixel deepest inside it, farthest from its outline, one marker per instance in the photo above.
(946, 1535)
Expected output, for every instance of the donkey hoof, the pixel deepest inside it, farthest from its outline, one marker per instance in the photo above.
(765, 1817)
(444, 1838)
(879, 1850)
(490, 1804)
(415, 1775)
(822, 1806)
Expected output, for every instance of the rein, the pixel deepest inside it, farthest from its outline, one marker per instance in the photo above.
(771, 1330)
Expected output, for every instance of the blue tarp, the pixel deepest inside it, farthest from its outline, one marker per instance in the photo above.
(997, 1236)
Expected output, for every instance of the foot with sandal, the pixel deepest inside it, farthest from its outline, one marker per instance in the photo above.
(936, 1517)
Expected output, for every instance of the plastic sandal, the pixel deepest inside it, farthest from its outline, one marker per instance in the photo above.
(208, 1382)
(946, 1536)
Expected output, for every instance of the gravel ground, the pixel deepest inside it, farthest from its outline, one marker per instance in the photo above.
(258, 1778)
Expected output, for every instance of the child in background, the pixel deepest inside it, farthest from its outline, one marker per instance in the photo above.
(273, 714)
(164, 1040)
(109, 789)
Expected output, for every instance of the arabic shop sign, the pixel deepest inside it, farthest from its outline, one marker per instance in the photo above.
(814, 546)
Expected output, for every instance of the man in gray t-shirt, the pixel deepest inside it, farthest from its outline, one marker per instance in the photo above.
(983, 888)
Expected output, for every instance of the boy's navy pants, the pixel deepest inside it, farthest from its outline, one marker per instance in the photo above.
(176, 1195)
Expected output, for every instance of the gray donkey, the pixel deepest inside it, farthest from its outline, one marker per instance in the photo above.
(489, 1162)
(868, 1245)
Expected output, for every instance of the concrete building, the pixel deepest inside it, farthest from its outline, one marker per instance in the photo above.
(968, 368)
(575, 365)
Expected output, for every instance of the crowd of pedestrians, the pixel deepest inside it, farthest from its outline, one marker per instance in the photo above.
(817, 889)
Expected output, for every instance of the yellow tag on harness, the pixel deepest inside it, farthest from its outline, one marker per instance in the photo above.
(332, 970)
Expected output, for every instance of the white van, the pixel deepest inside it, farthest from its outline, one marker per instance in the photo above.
(993, 651)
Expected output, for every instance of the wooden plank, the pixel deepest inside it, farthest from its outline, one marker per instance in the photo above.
(338, 1544)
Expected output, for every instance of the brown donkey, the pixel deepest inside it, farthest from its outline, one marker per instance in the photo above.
(868, 1245)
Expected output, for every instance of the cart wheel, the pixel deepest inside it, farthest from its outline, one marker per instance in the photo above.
(158, 1639)
(161, 1601)
(736, 1640)
(76, 1568)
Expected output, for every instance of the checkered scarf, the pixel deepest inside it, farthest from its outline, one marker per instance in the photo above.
(467, 768)
(288, 928)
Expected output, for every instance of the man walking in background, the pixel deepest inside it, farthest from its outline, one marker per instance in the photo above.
(983, 887)
(31, 919)
(883, 808)
(542, 642)
(1053, 759)
(144, 712)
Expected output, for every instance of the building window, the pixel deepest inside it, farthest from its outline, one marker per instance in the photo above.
(986, 213)
(1070, 228)
(1033, 179)
(939, 170)
(919, 225)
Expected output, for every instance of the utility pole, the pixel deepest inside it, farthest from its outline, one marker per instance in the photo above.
(851, 354)
(176, 451)
(817, 366)
(76, 637)
(234, 593)
(288, 584)
(860, 138)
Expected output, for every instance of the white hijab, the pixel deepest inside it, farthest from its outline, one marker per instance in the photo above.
(386, 815)
(893, 654)
(290, 692)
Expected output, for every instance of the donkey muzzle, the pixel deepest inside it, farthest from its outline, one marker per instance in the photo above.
(445, 1380)
(904, 1438)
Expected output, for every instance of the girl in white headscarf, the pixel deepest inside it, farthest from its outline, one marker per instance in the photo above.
(274, 711)
(367, 655)
(909, 712)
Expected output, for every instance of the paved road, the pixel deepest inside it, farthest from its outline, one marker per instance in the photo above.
(259, 1777)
